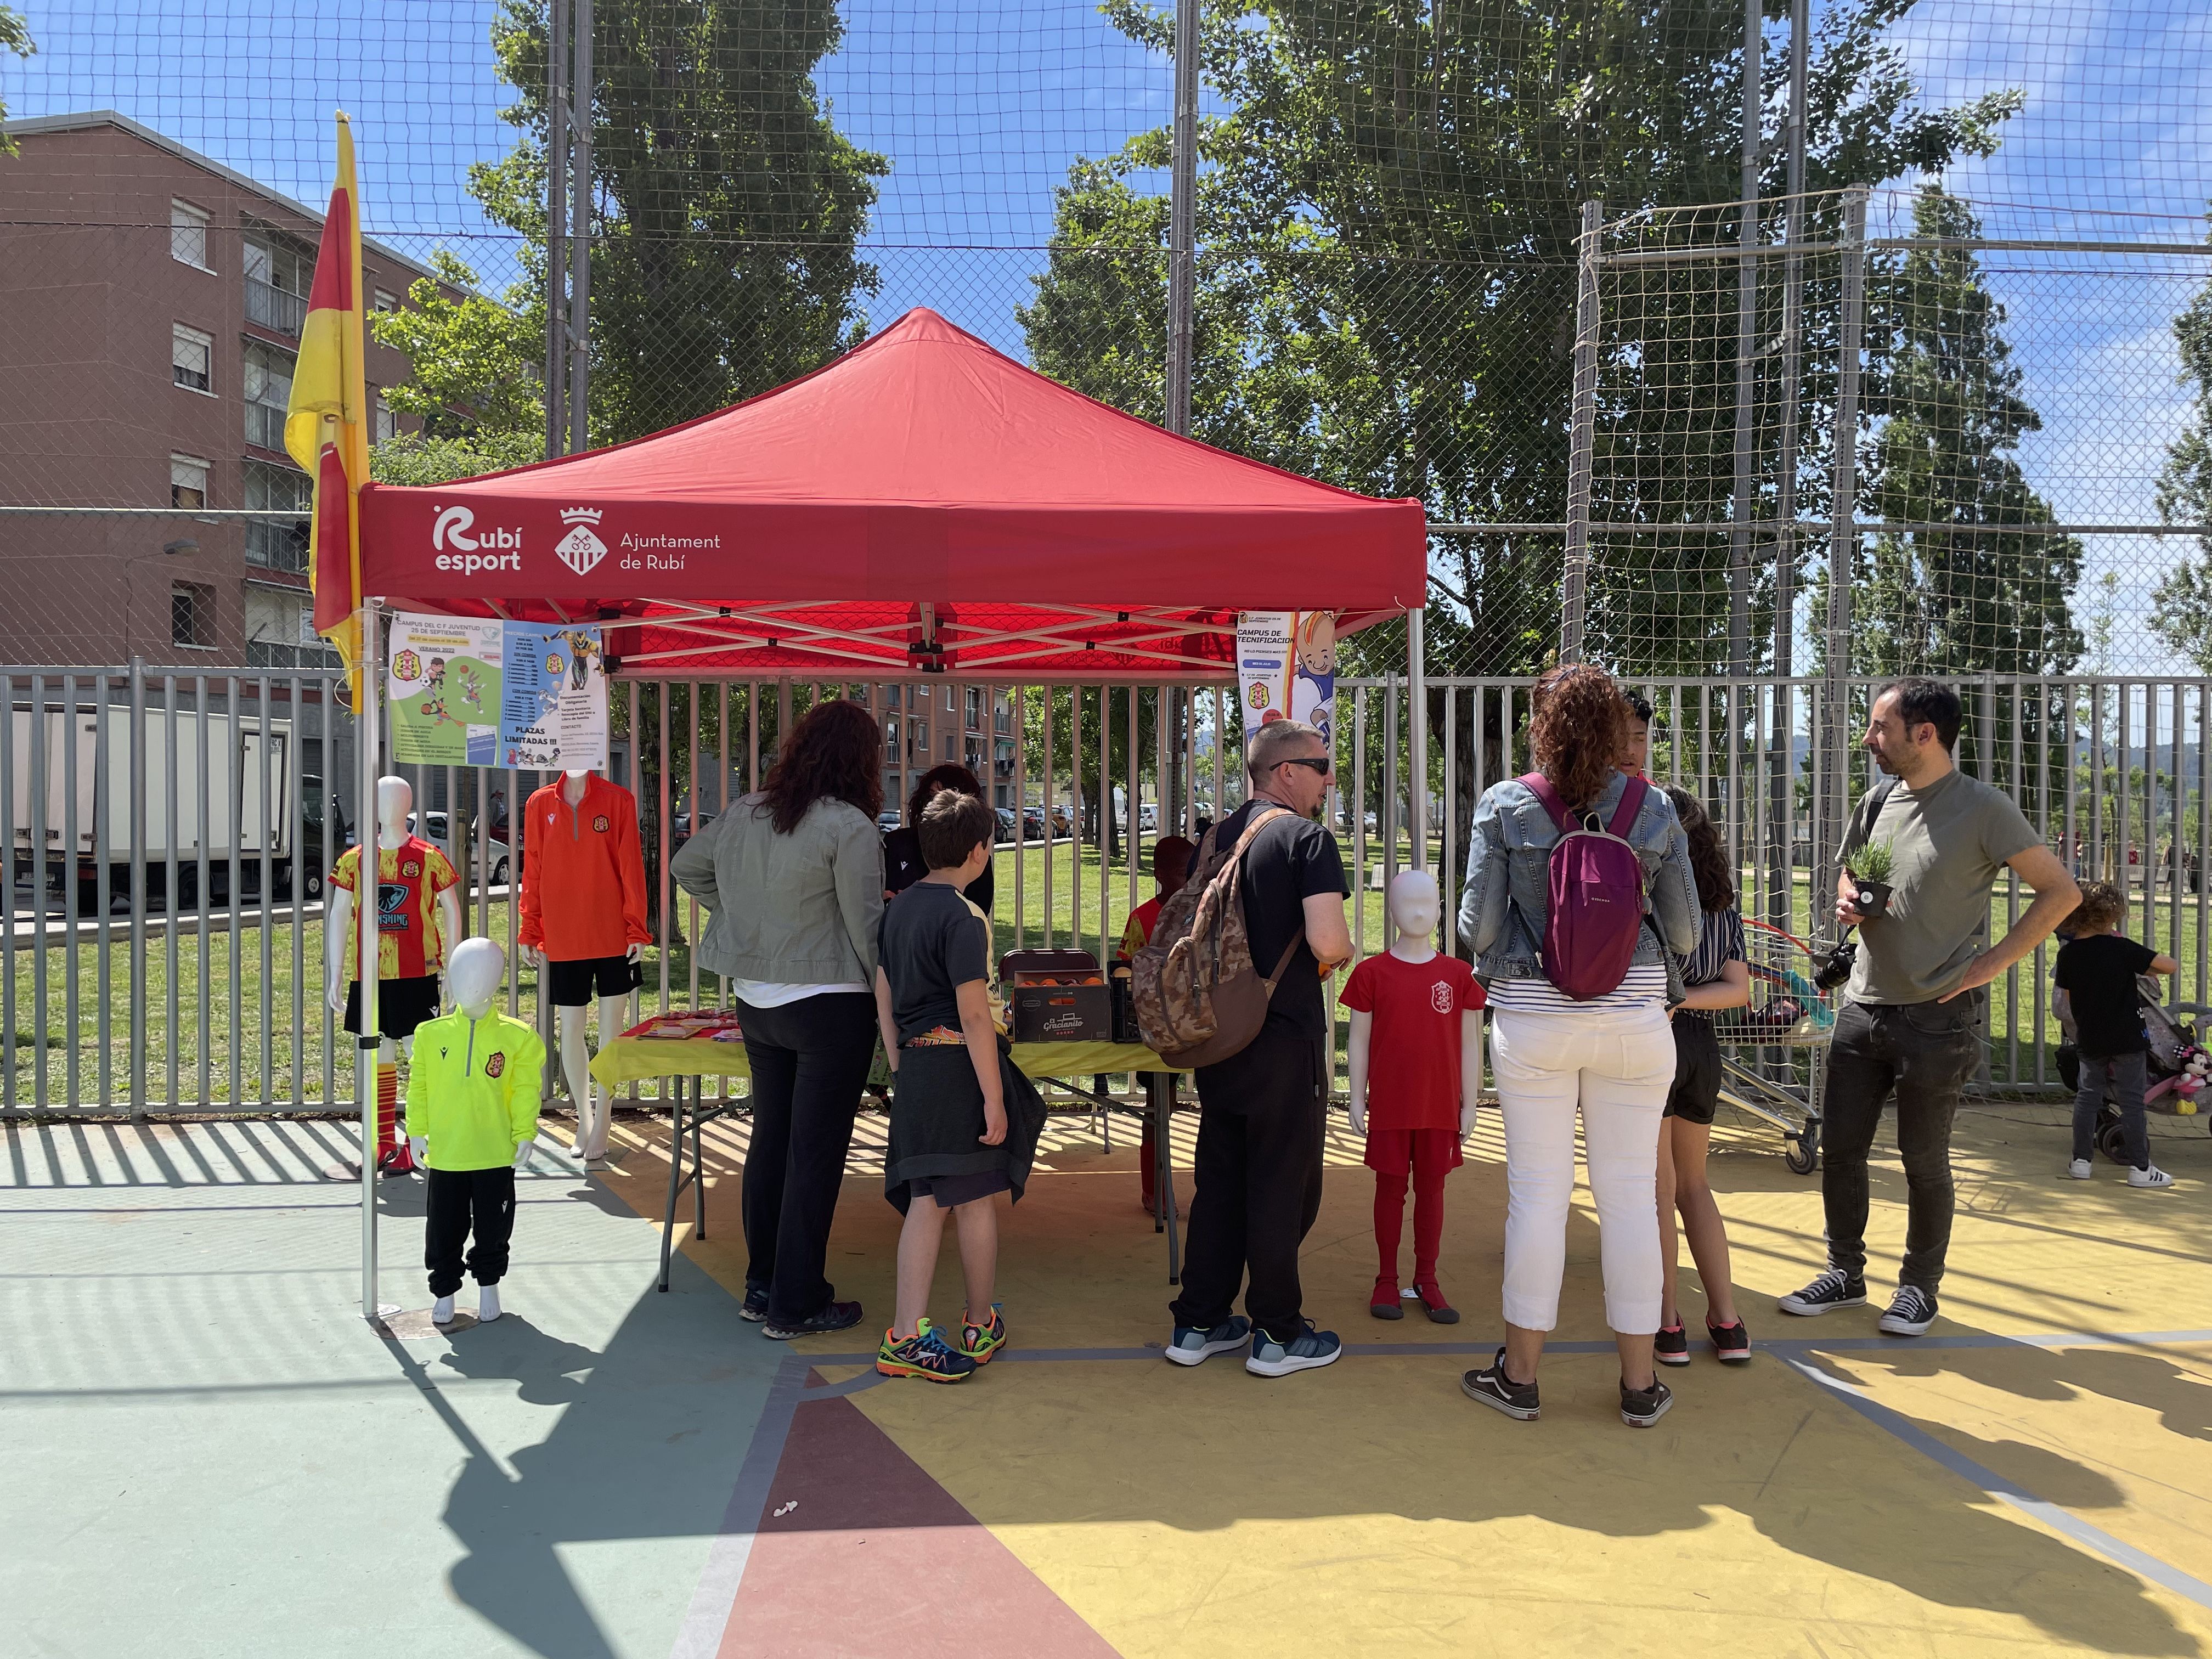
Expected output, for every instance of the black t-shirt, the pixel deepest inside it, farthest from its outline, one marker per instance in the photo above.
(904, 866)
(932, 941)
(2098, 973)
(1289, 862)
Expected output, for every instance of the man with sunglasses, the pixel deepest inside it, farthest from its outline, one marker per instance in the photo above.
(1258, 1173)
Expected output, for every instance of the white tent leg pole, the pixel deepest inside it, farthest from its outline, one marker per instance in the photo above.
(1417, 739)
(366, 1081)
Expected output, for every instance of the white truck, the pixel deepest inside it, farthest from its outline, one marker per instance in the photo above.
(247, 764)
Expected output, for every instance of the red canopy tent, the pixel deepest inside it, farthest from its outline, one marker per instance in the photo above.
(923, 504)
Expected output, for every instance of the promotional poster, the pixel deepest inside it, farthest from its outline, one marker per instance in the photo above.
(1287, 668)
(464, 691)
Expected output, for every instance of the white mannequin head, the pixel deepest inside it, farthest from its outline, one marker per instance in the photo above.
(395, 800)
(1414, 906)
(474, 971)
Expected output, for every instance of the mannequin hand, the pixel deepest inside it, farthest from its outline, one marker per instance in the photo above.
(522, 1151)
(1359, 1110)
(419, 1146)
(636, 953)
(527, 954)
(335, 995)
(1467, 1119)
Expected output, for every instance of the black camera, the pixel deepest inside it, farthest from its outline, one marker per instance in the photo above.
(1836, 966)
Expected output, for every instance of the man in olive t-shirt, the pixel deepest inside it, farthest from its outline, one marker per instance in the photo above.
(1912, 1016)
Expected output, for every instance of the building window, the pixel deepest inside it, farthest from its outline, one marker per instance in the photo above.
(280, 630)
(188, 233)
(951, 747)
(1002, 715)
(277, 543)
(386, 301)
(191, 359)
(192, 615)
(383, 424)
(188, 481)
(268, 393)
(278, 274)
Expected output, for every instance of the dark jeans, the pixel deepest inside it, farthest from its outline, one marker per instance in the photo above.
(810, 1060)
(1925, 1051)
(460, 1200)
(1256, 1184)
(2126, 1071)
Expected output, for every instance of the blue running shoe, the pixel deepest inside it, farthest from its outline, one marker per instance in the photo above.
(925, 1354)
(1306, 1351)
(1194, 1345)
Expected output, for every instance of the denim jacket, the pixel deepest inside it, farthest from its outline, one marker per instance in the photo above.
(1505, 904)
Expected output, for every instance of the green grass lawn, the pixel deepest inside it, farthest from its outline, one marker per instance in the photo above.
(250, 1057)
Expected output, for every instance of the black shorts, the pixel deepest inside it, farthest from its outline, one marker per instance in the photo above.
(1696, 1090)
(574, 984)
(401, 1004)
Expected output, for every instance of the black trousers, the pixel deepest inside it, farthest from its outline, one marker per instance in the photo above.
(1925, 1051)
(810, 1060)
(463, 1201)
(1257, 1186)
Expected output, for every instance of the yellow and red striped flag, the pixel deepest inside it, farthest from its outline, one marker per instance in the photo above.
(326, 426)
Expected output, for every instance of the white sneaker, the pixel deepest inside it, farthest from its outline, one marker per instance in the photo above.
(2152, 1175)
(2080, 1170)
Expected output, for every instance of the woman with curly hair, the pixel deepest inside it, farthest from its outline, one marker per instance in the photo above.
(1611, 1058)
(1716, 977)
(794, 878)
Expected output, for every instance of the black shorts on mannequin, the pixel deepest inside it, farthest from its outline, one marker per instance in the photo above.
(401, 1006)
(574, 984)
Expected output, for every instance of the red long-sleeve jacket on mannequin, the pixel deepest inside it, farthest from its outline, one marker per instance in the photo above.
(587, 856)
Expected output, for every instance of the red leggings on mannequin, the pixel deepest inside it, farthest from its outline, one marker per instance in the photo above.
(1428, 1221)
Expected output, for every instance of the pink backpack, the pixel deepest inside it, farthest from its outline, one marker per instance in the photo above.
(1596, 895)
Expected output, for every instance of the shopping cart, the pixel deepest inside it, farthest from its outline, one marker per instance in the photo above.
(1773, 1051)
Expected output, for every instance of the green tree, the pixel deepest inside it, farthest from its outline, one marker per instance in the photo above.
(15, 37)
(725, 206)
(477, 383)
(1950, 418)
(2181, 613)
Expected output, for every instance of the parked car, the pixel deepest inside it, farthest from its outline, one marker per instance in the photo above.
(680, 830)
(1033, 817)
(888, 819)
(436, 827)
(1006, 817)
(1148, 818)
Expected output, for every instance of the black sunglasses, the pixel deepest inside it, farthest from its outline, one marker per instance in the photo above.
(1319, 763)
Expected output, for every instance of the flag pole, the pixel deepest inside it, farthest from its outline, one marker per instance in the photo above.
(367, 1083)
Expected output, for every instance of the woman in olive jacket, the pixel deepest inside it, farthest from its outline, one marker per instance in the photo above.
(794, 878)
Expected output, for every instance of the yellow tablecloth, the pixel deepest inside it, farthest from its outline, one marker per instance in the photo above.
(628, 1059)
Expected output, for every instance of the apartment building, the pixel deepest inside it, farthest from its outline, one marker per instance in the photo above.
(151, 301)
(927, 723)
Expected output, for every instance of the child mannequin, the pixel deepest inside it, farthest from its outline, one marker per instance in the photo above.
(472, 1118)
(1416, 1065)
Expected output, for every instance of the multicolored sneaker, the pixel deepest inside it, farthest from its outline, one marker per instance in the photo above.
(980, 1342)
(925, 1354)
(1670, 1346)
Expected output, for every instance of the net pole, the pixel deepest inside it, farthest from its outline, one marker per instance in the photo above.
(1843, 535)
(1575, 582)
(579, 240)
(367, 1058)
(1746, 345)
(1182, 218)
(1786, 505)
(556, 222)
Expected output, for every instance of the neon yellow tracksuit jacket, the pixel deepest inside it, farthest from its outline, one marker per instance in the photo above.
(472, 1090)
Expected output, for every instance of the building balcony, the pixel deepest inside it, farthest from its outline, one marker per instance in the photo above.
(272, 308)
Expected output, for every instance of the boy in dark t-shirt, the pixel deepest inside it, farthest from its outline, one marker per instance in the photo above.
(2097, 969)
(965, 1122)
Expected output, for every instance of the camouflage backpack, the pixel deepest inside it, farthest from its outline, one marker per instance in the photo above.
(1198, 995)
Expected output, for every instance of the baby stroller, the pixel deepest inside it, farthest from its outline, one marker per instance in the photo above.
(2175, 1064)
(1775, 1049)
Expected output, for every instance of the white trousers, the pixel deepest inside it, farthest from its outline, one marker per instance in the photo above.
(1617, 1065)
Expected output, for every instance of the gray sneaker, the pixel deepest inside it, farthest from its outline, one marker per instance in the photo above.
(1194, 1345)
(1305, 1351)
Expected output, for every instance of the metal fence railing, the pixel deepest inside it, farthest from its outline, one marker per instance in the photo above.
(161, 945)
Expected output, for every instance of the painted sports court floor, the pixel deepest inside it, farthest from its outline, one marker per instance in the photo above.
(204, 1450)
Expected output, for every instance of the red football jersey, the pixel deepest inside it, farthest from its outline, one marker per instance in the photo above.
(1413, 1048)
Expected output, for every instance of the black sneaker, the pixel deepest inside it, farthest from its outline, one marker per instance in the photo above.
(1832, 1290)
(1670, 1346)
(1495, 1390)
(1641, 1408)
(1731, 1343)
(756, 1304)
(836, 1316)
(1912, 1311)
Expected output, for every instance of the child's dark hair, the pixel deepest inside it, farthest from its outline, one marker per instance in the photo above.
(2103, 907)
(952, 826)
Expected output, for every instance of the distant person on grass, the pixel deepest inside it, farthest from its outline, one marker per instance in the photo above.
(2097, 967)
(1914, 1013)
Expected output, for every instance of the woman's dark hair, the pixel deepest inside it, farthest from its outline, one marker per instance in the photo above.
(836, 752)
(1708, 859)
(951, 825)
(950, 776)
(1578, 730)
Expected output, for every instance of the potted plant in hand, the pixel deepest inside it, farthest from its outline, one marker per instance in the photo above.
(1869, 869)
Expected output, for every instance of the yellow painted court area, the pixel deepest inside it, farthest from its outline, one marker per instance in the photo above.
(2033, 1477)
